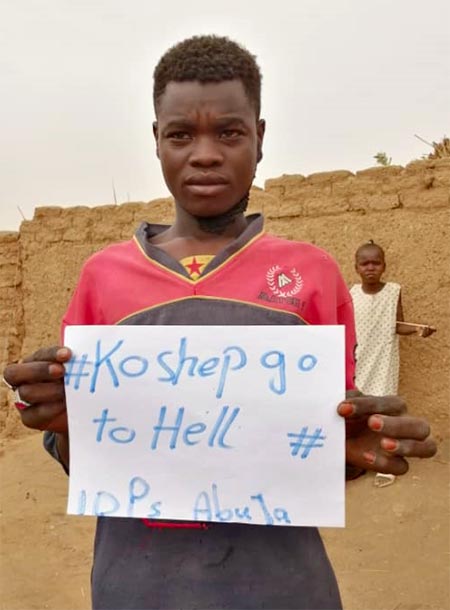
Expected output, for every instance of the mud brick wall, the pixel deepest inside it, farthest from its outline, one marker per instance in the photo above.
(405, 209)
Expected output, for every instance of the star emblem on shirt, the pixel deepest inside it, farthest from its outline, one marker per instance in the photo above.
(194, 267)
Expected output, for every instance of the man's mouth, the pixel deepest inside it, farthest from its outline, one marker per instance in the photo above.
(206, 185)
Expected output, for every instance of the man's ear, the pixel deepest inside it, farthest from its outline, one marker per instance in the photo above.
(155, 135)
(260, 131)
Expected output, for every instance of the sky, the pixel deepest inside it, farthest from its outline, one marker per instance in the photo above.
(342, 80)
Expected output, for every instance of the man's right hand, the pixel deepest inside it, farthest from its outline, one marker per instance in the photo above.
(39, 379)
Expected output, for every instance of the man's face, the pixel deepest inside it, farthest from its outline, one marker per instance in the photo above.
(370, 265)
(208, 141)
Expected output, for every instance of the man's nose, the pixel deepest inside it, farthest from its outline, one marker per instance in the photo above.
(206, 153)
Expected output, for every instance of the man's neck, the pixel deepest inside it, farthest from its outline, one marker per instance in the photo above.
(187, 238)
(207, 229)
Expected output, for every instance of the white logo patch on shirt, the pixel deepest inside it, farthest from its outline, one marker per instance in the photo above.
(284, 282)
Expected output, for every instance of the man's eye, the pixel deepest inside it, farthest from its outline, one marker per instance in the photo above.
(230, 134)
(178, 135)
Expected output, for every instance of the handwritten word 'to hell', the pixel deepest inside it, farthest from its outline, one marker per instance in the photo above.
(172, 367)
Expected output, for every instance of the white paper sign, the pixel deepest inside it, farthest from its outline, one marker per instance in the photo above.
(210, 423)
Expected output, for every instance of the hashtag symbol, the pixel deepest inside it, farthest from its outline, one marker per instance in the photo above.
(75, 370)
(305, 441)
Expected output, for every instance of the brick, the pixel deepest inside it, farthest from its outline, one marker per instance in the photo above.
(80, 221)
(335, 176)
(98, 213)
(380, 171)
(420, 165)
(329, 206)
(54, 223)
(10, 275)
(307, 191)
(47, 212)
(441, 176)
(27, 229)
(72, 211)
(369, 187)
(277, 190)
(159, 211)
(260, 200)
(7, 237)
(134, 206)
(50, 237)
(9, 254)
(343, 188)
(356, 186)
(374, 203)
(287, 208)
(284, 180)
(409, 180)
(442, 163)
(438, 197)
(107, 230)
(73, 234)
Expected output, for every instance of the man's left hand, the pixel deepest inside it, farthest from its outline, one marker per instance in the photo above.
(381, 436)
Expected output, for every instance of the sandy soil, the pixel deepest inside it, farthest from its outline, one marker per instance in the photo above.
(393, 554)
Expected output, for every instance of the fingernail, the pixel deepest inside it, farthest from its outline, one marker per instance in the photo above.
(376, 422)
(346, 408)
(56, 370)
(389, 444)
(370, 457)
(63, 352)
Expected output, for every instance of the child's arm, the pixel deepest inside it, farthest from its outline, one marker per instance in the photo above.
(408, 328)
(423, 330)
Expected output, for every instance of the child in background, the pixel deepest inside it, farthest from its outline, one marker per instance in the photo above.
(379, 321)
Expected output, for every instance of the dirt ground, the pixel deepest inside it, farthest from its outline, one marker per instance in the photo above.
(393, 554)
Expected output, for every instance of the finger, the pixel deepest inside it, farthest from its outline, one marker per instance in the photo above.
(56, 353)
(35, 393)
(410, 447)
(33, 372)
(400, 427)
(52, 416)
(353, 393)
(360, 406)
(387, 464)
(23, 372)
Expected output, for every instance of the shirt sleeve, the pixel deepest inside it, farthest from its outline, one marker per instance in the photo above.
(85, 306)
(51, 447)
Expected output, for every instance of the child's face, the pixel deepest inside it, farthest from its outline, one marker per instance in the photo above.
(209, 141)
(370, 265)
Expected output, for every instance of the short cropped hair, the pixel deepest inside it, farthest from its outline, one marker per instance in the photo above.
(208, 59)
(369, 244)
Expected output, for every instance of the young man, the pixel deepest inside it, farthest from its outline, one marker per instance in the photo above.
(210, 267)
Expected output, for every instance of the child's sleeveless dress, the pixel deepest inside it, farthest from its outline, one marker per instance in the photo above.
(377, 351)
